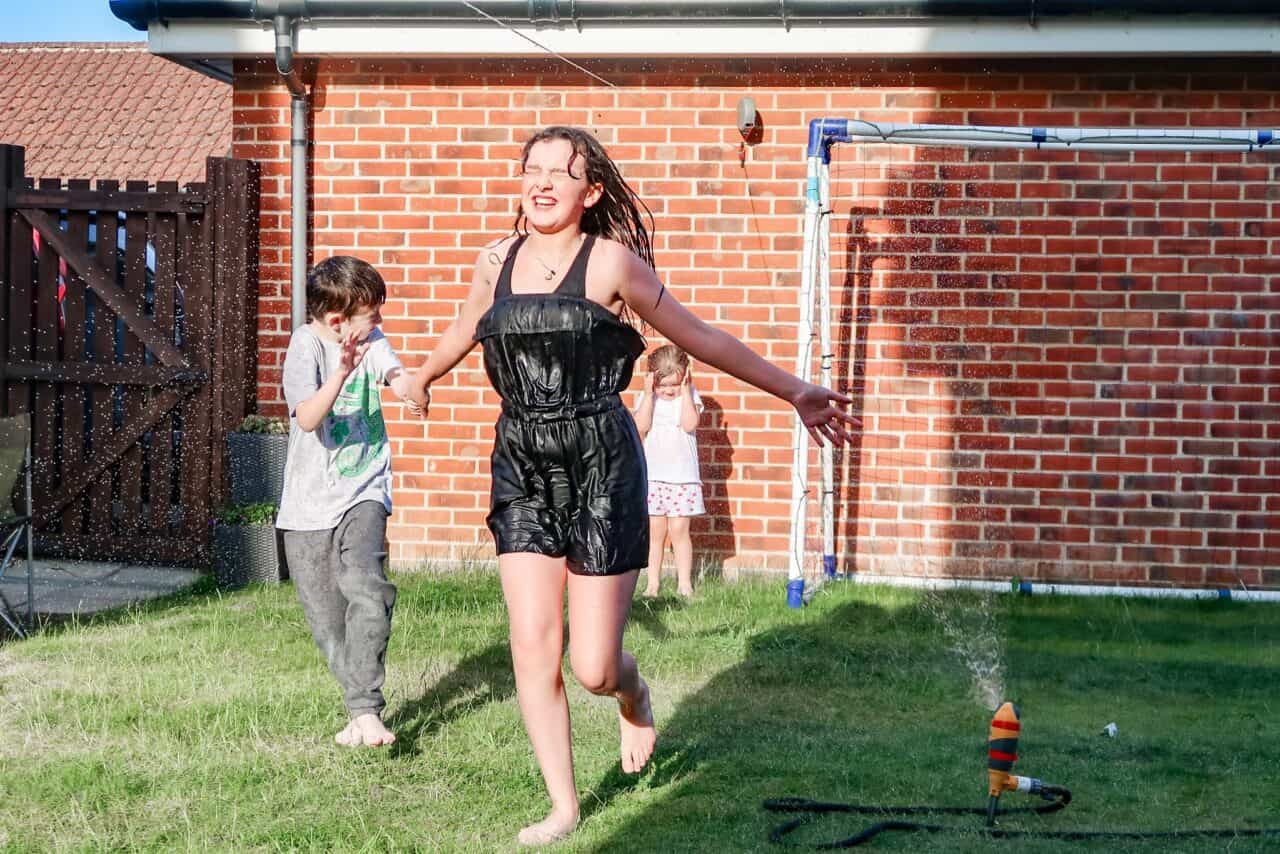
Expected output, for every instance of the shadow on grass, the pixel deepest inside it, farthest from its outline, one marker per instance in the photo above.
(486, 677)
(710, 729)
(868, 705)
(650, 614)
(481, 678)
(1185, 624)
(1148, 651)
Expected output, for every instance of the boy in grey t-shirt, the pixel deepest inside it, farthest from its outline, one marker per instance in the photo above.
(337, 489)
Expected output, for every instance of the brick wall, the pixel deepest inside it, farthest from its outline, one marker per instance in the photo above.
(1069, 364)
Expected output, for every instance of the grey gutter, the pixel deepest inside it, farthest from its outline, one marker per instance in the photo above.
(141, 13)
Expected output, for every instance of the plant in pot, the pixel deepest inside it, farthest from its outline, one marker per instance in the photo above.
(244, 545)
(256, 452)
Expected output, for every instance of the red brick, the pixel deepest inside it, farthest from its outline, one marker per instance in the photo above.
(1027, 350)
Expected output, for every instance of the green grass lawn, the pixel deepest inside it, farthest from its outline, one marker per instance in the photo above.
(204, 723)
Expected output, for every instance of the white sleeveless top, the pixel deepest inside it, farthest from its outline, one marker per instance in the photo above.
(671, 453)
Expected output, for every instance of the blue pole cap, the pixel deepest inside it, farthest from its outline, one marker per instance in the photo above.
(795, 593)
(820, 133)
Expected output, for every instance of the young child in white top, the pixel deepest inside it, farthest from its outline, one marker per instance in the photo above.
(667, 417)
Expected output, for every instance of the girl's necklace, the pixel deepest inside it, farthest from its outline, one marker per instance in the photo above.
(551, 271)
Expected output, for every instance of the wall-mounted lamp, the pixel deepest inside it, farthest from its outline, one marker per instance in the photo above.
(750, 125)
(748, 118)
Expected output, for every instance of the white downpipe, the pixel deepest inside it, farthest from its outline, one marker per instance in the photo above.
(1035, 588)
(823, 285)
(804, 352)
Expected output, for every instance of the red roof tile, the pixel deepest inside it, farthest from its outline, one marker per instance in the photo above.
(106, 110)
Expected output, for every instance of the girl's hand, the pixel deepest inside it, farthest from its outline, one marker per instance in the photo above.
(649, 397)
(825, 422)
(419, 407)
(689, 411)
(353, 352)
(418, 400)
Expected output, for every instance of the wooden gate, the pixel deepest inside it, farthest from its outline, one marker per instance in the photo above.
(128, 329)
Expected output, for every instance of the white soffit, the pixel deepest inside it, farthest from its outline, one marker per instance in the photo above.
(971, 38)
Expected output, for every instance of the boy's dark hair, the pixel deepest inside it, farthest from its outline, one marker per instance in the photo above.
(343, 284)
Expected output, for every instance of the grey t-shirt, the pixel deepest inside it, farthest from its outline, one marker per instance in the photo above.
(346, 459)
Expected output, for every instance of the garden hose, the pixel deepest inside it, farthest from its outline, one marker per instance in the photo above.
(1002, 752)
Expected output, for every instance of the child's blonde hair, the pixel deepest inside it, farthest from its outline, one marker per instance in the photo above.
(667, 360)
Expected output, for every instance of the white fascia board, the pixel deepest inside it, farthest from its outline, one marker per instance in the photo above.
(970, 38)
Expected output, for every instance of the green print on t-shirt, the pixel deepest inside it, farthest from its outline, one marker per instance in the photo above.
(356, 426)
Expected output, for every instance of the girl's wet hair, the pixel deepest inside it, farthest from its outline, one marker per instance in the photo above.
(667, 360)
(619, 214)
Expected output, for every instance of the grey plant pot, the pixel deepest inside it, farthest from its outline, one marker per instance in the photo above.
(244, 554)
(256, 464)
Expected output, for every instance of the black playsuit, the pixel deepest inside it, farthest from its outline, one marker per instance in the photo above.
(568, 466)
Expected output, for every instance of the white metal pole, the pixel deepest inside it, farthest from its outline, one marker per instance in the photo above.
(815, 261)
(804, 351)
(1083, 139)
(1037, 588)
(823, 285)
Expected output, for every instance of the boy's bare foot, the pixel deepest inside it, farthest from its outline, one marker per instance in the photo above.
(650, 593)
(638, 735)
(685, 592)
(349, 737)
(553, 828)
(367, 729)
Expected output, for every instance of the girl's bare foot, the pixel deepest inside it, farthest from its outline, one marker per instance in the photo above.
(685, 592)
(553, 828)
(349, 737)
(650, 593)
(368, 730)
(638, 735)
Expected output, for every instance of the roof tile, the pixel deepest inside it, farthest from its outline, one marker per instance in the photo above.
(110, 110)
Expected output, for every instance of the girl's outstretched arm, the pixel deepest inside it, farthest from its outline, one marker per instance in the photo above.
(459, 339)
(640, 289)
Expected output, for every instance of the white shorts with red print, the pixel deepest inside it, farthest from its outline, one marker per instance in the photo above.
(675, 499)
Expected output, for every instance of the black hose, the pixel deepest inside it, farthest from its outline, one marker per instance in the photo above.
(810, 810)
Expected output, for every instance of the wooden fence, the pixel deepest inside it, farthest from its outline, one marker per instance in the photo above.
(129, 320)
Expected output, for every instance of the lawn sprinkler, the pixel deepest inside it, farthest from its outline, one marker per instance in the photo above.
(1002, 752)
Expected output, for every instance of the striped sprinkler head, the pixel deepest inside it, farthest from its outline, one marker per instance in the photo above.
(1002, 748)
